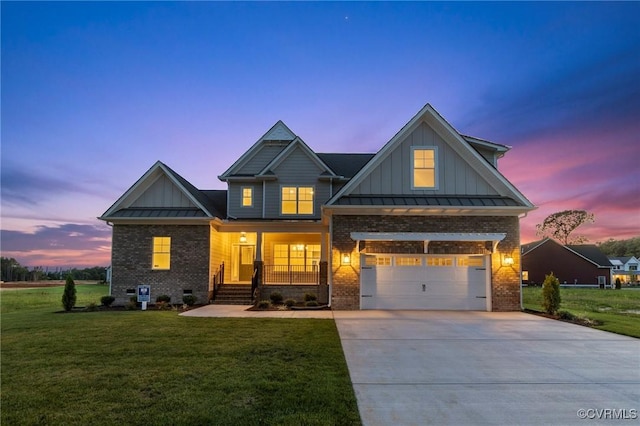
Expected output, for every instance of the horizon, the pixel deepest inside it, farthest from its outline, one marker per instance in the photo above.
(95, 93)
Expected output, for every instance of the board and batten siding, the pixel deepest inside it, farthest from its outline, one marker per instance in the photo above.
(393, 174)
(163, 193)
(267, 152)
(235, 208)
(298, 169)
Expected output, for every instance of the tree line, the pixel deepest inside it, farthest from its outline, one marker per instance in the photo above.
(12, 270)
(621, 248)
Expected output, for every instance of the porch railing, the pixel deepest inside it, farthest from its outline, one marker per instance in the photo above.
(290, 274)
(217, 281)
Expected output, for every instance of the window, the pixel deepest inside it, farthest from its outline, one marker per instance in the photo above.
(424, 168)
(297, 200)
(439, 261)
(161, 253)
(408, 261)
(247, 196)
(304, 256)
(472, 261)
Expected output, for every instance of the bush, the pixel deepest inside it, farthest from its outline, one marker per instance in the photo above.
(263, 304)
(618, 284)
(308, 297)
(69, 295)
(131, 306)
(311, 303)
(566, 315)
(551, 294)
(107, 300)
(276, 298)
(189, 299)
(91, 307)
(163, 298)
(289, 303)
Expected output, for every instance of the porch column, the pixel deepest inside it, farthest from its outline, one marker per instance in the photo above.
(259, 245)
(323, 246)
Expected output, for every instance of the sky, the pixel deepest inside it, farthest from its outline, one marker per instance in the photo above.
(94, 93)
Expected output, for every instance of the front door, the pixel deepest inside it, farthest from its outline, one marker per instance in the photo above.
(245, 263)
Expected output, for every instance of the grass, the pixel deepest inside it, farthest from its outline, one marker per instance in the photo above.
(617, 311)
(155, 367)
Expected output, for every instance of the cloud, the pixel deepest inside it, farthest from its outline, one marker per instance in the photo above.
(63, 238)
(23, 186)
(576, 92)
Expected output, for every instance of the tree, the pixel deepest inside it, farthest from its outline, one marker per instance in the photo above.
(560, 225)
(551, 294)
(621, 248)
(69, 294)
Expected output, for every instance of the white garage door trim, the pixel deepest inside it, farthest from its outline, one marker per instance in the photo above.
(424, 281)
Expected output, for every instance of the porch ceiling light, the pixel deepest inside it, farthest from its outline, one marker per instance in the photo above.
(243, 237)
(346, 259)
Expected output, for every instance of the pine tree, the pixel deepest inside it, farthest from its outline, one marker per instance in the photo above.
(69, 295)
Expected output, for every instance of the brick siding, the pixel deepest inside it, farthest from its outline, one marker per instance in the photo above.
(505, 280)
(131, 261)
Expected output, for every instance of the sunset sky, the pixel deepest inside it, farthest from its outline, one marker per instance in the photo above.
(94, 93)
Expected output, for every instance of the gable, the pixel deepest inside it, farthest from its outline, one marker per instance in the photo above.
(461, 171)
(161, 193)
(455, 176)
(297, 165)
(261, 153)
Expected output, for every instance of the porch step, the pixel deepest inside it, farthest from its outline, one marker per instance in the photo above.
(233, 294)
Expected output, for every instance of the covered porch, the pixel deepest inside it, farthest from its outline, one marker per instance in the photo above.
(273, 255)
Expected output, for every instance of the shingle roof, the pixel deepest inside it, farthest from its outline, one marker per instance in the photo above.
(437, 200)
(346, 165)
(591, 252)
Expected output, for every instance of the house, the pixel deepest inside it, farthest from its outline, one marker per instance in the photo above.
(427, 222)
(625, 268)
(581, 264)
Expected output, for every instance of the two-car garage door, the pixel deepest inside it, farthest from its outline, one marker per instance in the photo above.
(449, 282)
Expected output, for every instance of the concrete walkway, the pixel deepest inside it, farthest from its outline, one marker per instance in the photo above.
(240, 311)
(484, 368)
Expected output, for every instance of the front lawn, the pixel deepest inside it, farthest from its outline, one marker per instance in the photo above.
(155, 367)
(617, 311)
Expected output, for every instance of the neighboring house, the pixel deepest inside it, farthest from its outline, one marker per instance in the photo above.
(625, 268)
(427, 222)
(572, 264)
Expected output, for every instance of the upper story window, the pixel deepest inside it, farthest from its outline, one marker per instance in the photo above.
(247, 196)
(424, 168)
(297, 200)
(161, 258)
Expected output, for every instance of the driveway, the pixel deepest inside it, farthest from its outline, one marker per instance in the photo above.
(472, 368)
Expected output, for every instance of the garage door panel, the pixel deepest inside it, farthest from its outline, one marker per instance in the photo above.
(452, 282)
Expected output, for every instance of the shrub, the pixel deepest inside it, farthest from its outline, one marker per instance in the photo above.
(618, 284)
(308, 297)
(263, 304)
(69, 295)
(189, 299)
(566, 315)
(311, 303)
(551, 294)
(131, 306)
(163, 306)
(91, 307)
(289, 303)
(163, 298)
(276, 298)
(107, 300)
